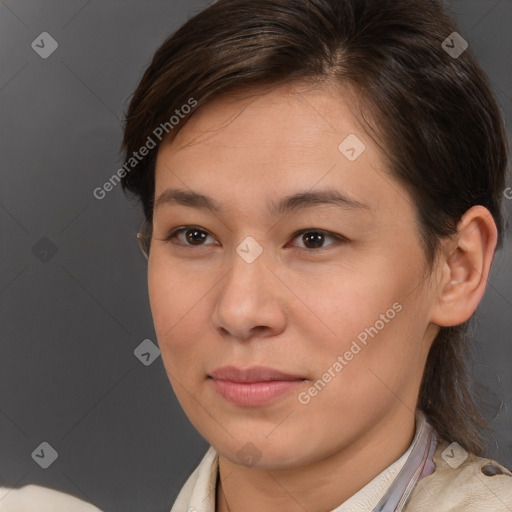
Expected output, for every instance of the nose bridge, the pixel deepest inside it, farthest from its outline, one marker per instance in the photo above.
(247, 276)
(247, 298)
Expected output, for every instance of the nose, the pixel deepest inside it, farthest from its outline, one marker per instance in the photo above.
(250, 301)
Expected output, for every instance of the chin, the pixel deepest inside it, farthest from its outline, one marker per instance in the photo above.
(263, 453)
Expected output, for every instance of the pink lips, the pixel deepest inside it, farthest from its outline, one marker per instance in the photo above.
(254, 386)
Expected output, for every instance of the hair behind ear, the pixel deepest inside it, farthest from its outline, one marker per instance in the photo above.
(445, 392)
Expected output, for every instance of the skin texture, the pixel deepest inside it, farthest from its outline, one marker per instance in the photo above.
(297, 308)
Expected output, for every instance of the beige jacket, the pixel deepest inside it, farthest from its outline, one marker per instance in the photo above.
(476, 485)
(461, 482)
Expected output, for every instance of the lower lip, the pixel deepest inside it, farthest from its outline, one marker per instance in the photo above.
(253, 393)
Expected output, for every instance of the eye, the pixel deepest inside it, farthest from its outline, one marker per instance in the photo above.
(313, 238)
(194, 236)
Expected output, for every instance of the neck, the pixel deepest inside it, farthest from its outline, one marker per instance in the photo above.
(321, 486)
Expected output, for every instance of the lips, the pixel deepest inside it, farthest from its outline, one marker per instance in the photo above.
(254, 386)
(254, 374)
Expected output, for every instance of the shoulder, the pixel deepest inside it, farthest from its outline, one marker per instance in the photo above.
(463, 481)
(43, 499)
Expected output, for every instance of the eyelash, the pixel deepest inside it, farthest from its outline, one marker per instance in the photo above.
(181, 229)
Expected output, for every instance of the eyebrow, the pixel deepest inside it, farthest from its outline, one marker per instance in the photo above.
(290, 203)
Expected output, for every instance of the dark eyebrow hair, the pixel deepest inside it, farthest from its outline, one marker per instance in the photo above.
(286, 204)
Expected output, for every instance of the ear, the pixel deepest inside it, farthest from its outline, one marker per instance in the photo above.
(464, 266)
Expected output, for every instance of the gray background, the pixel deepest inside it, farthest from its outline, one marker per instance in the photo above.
(71, 319)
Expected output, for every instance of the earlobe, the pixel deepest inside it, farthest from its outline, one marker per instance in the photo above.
(466, 264)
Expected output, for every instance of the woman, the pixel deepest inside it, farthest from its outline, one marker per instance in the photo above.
(321, 184)
(321, 211)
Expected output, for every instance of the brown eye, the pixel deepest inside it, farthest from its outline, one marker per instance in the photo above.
(193, 236)
(315, 238)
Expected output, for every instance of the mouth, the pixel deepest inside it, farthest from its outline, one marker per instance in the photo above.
(254, 386)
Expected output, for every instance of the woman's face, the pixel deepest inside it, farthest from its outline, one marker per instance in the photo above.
(343, 308)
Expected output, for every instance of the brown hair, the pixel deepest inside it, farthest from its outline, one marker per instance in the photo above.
(433, 112)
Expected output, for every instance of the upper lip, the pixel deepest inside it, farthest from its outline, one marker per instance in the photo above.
(253, 374)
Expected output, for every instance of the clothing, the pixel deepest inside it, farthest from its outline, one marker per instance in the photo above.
(461, 482)
(35, 498)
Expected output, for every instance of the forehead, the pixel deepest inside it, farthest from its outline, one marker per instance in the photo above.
(293, 114)
(275, 142)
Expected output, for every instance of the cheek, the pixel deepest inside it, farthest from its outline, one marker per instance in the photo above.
(381, 350)
(174, 299)
(373, 312)
(162, 298)
(345, 302)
